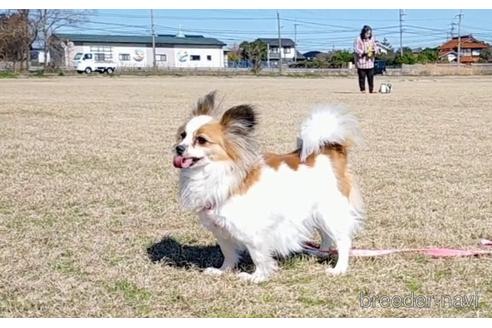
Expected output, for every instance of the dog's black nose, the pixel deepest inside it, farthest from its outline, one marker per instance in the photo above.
(180, 149)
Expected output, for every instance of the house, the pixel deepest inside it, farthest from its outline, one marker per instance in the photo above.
(310, 55)
(288, 50)
(38, 57)
(470, 49)
(172, 51)
(384, 49)
(299, 56)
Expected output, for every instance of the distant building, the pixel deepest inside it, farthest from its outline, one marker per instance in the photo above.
(38, 57)
(310, 55)
(183, 51)
(383, 48)
(288, 50)
(470, 49)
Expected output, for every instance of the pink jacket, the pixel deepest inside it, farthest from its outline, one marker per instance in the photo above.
(362, 48)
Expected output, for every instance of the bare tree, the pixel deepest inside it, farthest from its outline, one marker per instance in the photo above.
(14, 36)
(30, 32)
(51, 20)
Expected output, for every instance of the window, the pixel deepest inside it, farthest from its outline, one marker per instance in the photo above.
(209, 58)
(274, 49)
(124, 57)
(195, 57)
(78, 56)
(161, 57)
(287, 50)
(87, 56)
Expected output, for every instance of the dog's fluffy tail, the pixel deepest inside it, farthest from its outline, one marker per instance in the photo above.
(328, 126)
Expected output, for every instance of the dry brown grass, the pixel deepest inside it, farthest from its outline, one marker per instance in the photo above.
(88, 196)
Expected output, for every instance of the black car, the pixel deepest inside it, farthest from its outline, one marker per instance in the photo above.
(380, 67)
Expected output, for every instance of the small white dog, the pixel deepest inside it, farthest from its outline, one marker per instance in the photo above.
(385, 88)
(268, 204)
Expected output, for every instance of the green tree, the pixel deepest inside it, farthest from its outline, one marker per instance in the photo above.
(255, 52)
(235, 54)
(486, 55)
(340, 58)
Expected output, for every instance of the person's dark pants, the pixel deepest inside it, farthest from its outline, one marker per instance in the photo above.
(363, 72)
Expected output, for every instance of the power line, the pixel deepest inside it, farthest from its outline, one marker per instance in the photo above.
(312, 33)
(179, 17)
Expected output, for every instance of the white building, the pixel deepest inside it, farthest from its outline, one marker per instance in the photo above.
(188, 51)
(287, 50)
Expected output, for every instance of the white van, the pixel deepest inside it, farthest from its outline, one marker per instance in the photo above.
(88, 63)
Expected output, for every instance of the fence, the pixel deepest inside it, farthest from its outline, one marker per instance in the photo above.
(442, 69)
(405, 70)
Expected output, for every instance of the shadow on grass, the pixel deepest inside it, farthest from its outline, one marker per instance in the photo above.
(171, 252)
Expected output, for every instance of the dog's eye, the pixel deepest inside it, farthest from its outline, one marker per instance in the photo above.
(201, 140)
(183, 135)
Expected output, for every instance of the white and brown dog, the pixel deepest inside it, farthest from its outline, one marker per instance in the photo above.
(269, 204)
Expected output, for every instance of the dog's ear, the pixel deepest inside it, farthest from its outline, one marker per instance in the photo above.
(205, 105)
(239, 119)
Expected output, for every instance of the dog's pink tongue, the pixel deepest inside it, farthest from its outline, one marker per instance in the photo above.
(182, 162)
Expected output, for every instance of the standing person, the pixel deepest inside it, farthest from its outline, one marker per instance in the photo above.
(365, 50)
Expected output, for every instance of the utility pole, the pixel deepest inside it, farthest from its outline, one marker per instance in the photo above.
(459, 37)
(401, 32)
(279, 45)
(268, 55)
(154, 64)
(295, 42)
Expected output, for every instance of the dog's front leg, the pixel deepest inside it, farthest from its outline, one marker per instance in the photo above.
(265, 265)
(229, 249)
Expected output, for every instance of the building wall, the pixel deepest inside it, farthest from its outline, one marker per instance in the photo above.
(286, 53)
(38, 57)
(141, 56)
(184, 57)
(164, 57)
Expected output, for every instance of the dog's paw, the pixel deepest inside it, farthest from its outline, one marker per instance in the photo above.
(336, 271)
(211, 271)
(254, 278)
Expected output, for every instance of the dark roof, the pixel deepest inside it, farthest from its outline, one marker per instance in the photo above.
(166, 39)
(311, 54)
(273, 42)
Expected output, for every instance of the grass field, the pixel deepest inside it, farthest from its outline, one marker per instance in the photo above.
(90, 223)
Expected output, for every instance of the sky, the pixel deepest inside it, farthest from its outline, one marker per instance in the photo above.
(317, 29)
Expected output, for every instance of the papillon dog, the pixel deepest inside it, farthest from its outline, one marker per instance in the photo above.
(269, 204)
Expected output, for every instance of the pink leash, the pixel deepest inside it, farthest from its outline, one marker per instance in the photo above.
(313, 249)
